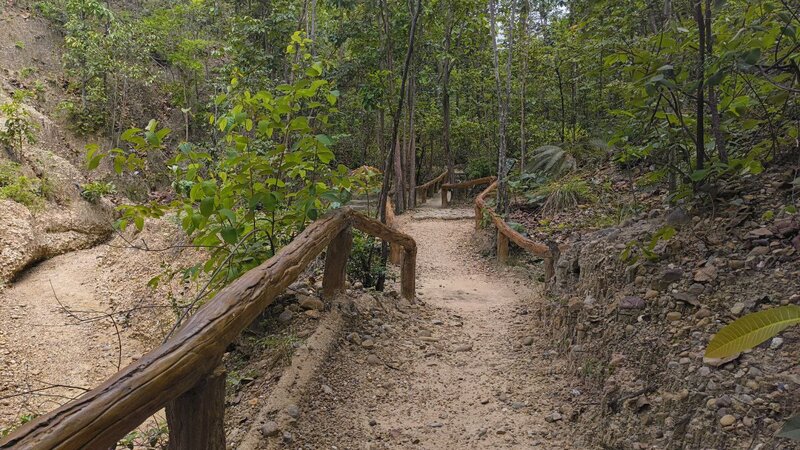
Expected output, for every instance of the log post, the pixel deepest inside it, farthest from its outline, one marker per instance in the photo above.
(502, 247)
(549, 269)
(478, 217)
(408, 276)
(333, 281)
(196, 419)
(444, 197)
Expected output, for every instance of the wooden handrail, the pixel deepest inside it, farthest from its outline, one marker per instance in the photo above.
(505, 234)
(463, 185)
(425, 189)
(172, 375)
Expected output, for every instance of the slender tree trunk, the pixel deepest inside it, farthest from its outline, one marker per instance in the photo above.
(523, 144)
(411, 167)
(396, 124)
(446, 69)
(700, 74)
(716, 130)
(502, 101)
(561, 95)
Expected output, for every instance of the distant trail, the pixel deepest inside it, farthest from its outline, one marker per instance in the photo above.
(458, 374)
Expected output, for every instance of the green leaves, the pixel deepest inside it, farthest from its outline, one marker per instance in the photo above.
(751, 330)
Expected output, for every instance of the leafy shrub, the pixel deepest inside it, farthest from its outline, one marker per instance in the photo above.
(82, 121)
(364, 262)
(20, 188)
(94, 191)
(18, 128)
(480, 167)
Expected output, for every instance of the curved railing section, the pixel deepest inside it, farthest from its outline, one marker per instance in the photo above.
(425, 190)
(184, 373)
(548, 252)
(452, 187)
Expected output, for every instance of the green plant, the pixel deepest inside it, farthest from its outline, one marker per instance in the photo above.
(562, 194)
(19, 45)
(282, 345)
(273, 173)
(751, 330)
(20, 188)
(551, 160)
(152, 437)
(21, 420)
(634, 249)
(19, 128)
(480, 167)
(364, 263)
(95, 190)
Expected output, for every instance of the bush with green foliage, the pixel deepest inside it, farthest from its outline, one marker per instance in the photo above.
(29, 191)
(18, 128)
(92, 192)
(364, 263)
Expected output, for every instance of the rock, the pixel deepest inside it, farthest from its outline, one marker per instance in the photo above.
(759, 251)
(776, 343)
(705, 274)
(704, 371)
(703, 313)
(307, 302)
(651, 294)
(463, 348)
(527, 340)
(374, 360)
(435, 425)
(696, 289)
(686, 297)
(677, 218)
(287, 437)
(727, 420)
(293, 411)
(313, 314)
(354, 338)
(285, 316)
(737, 308)
(553, 417)
(632, 302)
(671, 275)
(424, 333)
(716, 362)
(368, 343)
(575, 304)
(736, 264)
(327, 389)
(673, 316)
(372, 422)
(759, 233)
(796, 242)
(270, 429)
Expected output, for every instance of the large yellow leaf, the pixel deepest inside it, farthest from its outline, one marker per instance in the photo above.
(750, 330)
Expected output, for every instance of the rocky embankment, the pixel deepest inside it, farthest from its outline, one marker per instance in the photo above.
(636, 331)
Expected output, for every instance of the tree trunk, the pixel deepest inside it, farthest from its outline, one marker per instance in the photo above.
(523, 144)
(384, 195)
(716, 130)
(700, 75)
(446, 69)
(502, 103)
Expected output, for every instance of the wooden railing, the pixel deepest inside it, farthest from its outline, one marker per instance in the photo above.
(446, 188)
(425, 190)
(505, 234)
(184, 374)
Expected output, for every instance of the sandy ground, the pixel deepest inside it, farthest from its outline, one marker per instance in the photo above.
(464, 368)
(43, 345)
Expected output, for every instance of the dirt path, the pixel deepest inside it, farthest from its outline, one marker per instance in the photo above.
(463, 369)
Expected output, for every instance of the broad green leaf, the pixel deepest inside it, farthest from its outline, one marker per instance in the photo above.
(230, 235)
(751, 330)
(791, 429)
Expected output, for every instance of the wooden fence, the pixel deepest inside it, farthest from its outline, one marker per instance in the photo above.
(184, 374)
(424, 191)
(505, 234)
(446, 188)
